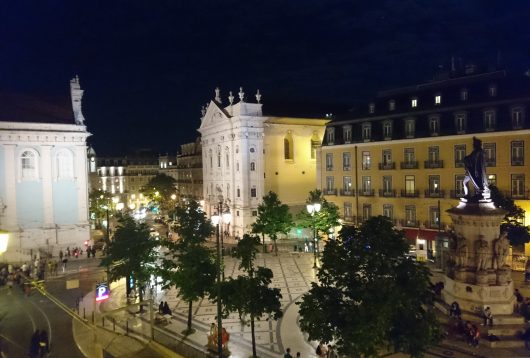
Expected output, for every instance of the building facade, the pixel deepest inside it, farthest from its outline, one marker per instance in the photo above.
(43, 180)
(246, 154)
(189, 170)
(402, 155)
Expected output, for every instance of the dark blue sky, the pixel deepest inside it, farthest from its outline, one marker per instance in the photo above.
(148, 66)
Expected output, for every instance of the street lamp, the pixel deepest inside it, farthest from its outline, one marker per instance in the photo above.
(4, 238)
(313, 209)
(227, 217)
(215, 221)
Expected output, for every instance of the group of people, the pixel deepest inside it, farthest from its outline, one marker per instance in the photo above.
(213, 337)
(163, 308)
(39, 344)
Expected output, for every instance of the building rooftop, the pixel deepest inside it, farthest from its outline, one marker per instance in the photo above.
(35, 109)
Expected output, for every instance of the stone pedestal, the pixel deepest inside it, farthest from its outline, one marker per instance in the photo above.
(482, 278)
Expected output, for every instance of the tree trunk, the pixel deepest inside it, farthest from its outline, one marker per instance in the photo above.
(253, 335)
(275, 247)
(190, 305)
(264, 246)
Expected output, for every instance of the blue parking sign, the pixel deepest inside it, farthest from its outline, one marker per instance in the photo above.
(102, 291)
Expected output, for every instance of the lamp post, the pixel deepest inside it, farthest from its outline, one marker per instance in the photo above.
(216, 219)
(227, 217)
(312, 209)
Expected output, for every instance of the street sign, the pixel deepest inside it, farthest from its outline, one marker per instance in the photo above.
(102, 291)
(70, 284)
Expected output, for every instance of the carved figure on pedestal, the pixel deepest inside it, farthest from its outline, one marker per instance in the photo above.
(483, 254)
(501, 249)
(461, 252)
(476, 172)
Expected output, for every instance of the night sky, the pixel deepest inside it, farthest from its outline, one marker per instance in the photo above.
(148, 66)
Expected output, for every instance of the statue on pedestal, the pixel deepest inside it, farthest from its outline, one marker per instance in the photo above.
(501, 249)
(461, 252)
(483, 254)
(476, 173)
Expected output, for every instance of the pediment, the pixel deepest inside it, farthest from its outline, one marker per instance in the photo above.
(214, 114)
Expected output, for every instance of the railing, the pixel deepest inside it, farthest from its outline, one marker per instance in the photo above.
(329, 168)
(349, 219)
(409, 223)
(410, 165)
(434, 194)
(346, 168)
(330, 191)
(410, 193)
(490, 163)
(387, 166)
(344, 192)
(366, 167)
(432, 225)
(387, 193)
(433, 164)
(516, 196)
(459, 164)
(366, 192)
(517, 161)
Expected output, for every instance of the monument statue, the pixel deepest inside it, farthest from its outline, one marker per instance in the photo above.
(483, 254)
(476, 172)
(501, 249)
(461, 252)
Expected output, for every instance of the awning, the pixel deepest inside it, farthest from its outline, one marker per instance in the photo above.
(417, 233)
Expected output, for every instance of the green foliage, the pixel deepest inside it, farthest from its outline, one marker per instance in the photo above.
(518, 234)
(131, 252)
(99, 201)
(327, 218)
(188, 264)
(369, 296)
(159, 189)
(273, 217)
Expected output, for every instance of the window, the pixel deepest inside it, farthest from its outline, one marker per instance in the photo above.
(227, 158)
(410, 184)
(434, 125)
(460, 153)
(367, 131)
(288, 150)
(460, 122)
(410, 215)
(367, 184)
(489, 120)
(330, 135)
(490, 156)
(434, 216)
(459, 185)
(517, 185)
(391, 105)
(252, 150)
(329, 161)
(237, 166)
(492, 90)
(434, 154)
(346, 183)
(517, 117)
(254, 213)
(346, 161)
(367, 211)
(253, 192)
(388, 211)
(517, 153)
(410, 128)
(315, 143)
(463, 94)
(387, 157)
(434, 184)
(367, 161)
(387, 130)
(438, 99)
(28, 165)
(330, 183)
(409, 155)
(252, 166)
(414, 102)
(371, 108)
(346, 132)
(347, 210)
(211, 158)
(387, 184)
(218, 157)
(492, 179)
(65, 164)
(238, 192)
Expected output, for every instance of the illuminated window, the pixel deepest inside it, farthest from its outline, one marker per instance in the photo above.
(367, 131)
(288, 150)
(28, 165)
(329, 161)
(460, 153)
(517, 117)
(387, 130)
(489, 120)
(438, 99)
(346, 133)
(388, 211)
(330, 135)
(414, 103)
(434, 125)
(463, 94)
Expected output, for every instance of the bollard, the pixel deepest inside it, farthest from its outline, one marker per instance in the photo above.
(84, 313)
(103, 320)
(92, 317)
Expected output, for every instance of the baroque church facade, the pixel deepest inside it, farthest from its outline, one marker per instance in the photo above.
(246, 154)
(43, 180)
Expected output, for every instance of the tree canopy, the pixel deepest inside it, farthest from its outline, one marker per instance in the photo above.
(99, 202)
(369, 296)
(328, 216)
(160, 189)
(518, 234)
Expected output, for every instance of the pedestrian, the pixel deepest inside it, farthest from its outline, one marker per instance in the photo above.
(88, 252)
(331, 352)
(34, 344)
(161, 307)
(519, 299)
(65, 260)
(488, 317)
(526, 337)
(476, 336)
(68, 251)
(93, 251)
(61, 254)
(287, 353)
(166, 309)
(321, 350)
(454, 310)
(298, 355)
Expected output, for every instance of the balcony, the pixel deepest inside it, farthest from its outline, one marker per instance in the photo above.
(330, 191)
(517, 195)
(410, 165)
(387, 166)
(456, 194)
(349, 219)
(410, 193)
(344, 192)
(329, 168)
(434, 164)
(434, 225)
(490, 163)
(434, 193)
(516, 161)
(387, 193)
(366, 192)
(365, 166)
(409, 223)
(459, 164)
(346, 168)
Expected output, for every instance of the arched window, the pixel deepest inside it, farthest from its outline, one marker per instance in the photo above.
(218, 157)
(28, 164)
(211, 158)
(252, 166)
(227, 152)
(288, 150)
(64, 162)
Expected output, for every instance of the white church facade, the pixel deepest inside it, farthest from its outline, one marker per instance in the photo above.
(247, 154)
(43, 176)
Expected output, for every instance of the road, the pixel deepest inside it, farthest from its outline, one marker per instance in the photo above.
(22, 315)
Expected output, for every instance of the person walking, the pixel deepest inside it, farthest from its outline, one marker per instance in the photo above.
(287, 353)
(321, 350)
(61, 254)
(488, 317)
(298, 355)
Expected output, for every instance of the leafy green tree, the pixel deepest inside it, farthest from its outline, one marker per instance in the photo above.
(99, 201)
(518, 234)
(160, 189)
(188, 264)
(273, 218)
(369, 296)
(131, 253)
(250, 294)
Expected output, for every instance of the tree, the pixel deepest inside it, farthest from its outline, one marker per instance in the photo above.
(131, 253)
(273, 218)
(369, 296)
(188, 264)
(99, 202)
(160, 189)
(251, 294)
(326, 219)
(518, 234)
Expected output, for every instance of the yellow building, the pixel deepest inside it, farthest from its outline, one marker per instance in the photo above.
(402, 155)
